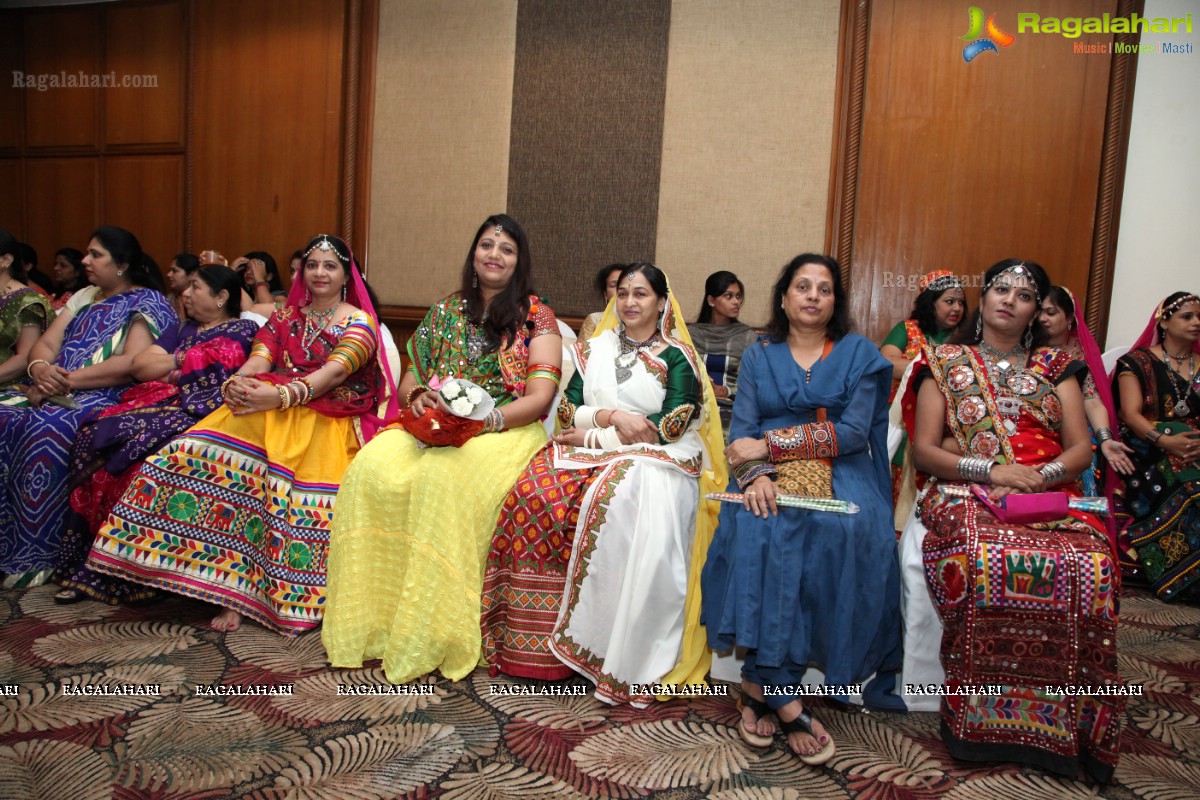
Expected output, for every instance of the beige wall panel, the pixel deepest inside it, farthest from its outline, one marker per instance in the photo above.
(746, 142)
(443, 103)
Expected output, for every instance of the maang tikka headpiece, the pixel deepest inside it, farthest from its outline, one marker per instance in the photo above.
(324, 245)
(1019, 270)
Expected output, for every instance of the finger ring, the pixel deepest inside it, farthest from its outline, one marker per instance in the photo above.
(751, 494)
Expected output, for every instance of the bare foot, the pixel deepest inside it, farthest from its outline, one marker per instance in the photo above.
(801, 742)
(227, 621)
(764, 725)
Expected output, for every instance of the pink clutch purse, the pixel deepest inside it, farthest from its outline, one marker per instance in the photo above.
(1023, 509)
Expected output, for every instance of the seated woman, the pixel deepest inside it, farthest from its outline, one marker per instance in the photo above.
(79, 366)
(182, 374)
(787, 584)
(720, 339)
(178, 278)
(1024, 606)
(936, 314)
(24, 313)
(237, 510)
(939, 308)
(68, 275)
(606, 287)
(414, 522)
(263, 286)
(589, 566)
(1159, 405)
(1062, 319)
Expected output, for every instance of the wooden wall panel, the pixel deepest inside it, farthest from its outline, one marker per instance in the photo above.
(267, 122)
(12, 199)
(11, 97)
(62, 200)
(145, 195)
(62, 43)
(963, 164)
(142, 43)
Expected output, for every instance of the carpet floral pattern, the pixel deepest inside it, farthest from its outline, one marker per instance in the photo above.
(475, 738)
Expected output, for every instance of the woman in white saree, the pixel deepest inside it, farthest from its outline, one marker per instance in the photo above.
(603, 533)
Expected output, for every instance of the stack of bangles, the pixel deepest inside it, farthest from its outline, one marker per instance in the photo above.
(412, 394)
(494, 422)
(295, 393)
(1103, 435)
(975, 470)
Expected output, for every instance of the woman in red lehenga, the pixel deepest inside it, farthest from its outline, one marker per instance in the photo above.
(1028, 607)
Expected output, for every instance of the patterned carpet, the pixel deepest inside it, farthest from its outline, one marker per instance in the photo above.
(465, 740)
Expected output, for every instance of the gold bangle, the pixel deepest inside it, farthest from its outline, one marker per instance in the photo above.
(284, 397)
(408, 400)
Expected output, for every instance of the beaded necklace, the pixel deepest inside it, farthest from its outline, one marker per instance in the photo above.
(314, 323)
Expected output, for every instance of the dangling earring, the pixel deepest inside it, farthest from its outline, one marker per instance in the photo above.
(343, 292)
(474, 280)
(979, 327)
(1028, 340)
(307, 297)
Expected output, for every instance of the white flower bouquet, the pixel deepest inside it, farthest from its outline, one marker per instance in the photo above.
(463, 398)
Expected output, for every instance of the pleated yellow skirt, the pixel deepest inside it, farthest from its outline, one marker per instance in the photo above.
(410, 541)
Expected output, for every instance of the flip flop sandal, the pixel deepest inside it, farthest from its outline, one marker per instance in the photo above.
(760, 710)
(803, 724)
(69, 597)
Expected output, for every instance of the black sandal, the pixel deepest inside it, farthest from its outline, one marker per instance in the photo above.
(760, 710)
(803, 724)
(69, 597)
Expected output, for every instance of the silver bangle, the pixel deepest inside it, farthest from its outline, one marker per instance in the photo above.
(1054, 472)
(975, 470)
(1103, 435)
(494, 421)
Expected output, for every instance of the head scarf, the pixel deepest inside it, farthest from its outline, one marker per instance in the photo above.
(695, 657)
(1162, 313)
(356, 295)
(1095, 363)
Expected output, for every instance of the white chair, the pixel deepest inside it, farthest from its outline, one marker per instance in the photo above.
(1110, 358)
(922, 625)
(568, 370)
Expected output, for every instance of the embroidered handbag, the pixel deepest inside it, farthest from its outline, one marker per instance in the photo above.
(811, 477)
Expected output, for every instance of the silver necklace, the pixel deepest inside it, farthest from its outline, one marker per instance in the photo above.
(1181, 405)
(628, 354)
(1008, 379)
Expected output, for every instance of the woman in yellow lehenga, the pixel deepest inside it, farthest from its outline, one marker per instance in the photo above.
(237, 510)
(414, 522)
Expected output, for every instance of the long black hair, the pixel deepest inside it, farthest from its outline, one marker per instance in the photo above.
(125, 249)
(715, 286)
(925, 310)
(508, 310)
(9, 246)
(839, 324)
(219, 277)
(1041, 285)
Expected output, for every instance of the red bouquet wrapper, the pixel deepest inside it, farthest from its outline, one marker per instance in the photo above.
(440, 428)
